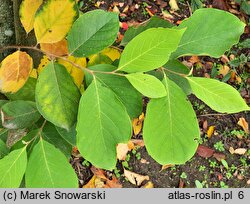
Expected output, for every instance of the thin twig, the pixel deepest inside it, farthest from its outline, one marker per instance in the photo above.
(173, 72)
(35, 48)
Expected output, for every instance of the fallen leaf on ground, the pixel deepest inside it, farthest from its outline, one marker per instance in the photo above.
(144, 161)
(138, 142)
(148, 185)
(243, 123)
(166, 166)
(91, 183)
(173, 4)
(220, 4)
(231, 150)
(101, 180)
(137, 124)
(240, 151)
(219, 156)
(135, 178)
(122, 149)
(210, 131)
(181, 184)
(194, 59)
(204, 151)
(224, 70)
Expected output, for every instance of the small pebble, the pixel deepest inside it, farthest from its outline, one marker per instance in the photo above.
(8, 33)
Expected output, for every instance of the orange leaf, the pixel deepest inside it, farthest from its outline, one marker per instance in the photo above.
(59, 48)
(15, 71)
(243, 123)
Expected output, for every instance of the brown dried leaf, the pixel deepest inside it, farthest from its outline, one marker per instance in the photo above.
(243, 123)
(102, 181)
(240, 151)
(135, 178)
(231, 150)
(220, 4)
(204, 151)
(166, 166)
(219, 156)
(138, 142)
(121, 151)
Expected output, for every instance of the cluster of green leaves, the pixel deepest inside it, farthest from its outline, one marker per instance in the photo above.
(58, 117)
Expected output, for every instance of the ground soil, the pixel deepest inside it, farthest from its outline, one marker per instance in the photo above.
(208, 171)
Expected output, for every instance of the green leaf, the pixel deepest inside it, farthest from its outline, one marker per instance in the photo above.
(3, 149)
(4, 134)
(198, 184)
(125, 92)
(92, 32)
(219, 96)
(49, 168)
(32, 137)
(68, 135)
(19, 114)
(175, 66)
(12, 168)
(171, 127)
(51, 135)
(57, 96)
(148, 85)
(102, 123)
(150, 49)
(2, 102)
(213, 38)
(26, 93)
(154, 22)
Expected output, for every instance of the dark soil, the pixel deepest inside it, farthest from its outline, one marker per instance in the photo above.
(208, 171)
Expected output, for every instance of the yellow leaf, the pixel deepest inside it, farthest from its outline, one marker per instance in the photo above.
(137, 124)
(99, 59)
(243, 123)
(112, 53)
(44, 61)
(148, 185)
(134, 178)
(91, 183)
(33, 73)
(210, 131)
(75, 72)
(15, 71)
(54, 20)
(107, 56)
(224, 70)
(27, 13)
(166, 166)
(59, 48)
